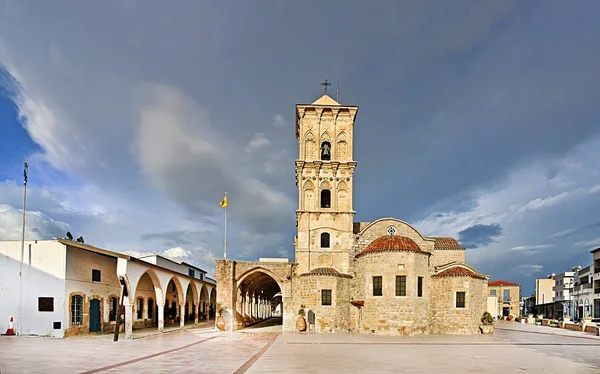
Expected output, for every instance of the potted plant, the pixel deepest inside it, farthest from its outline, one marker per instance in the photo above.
(487, 321)
(301, 322)
(220, 319)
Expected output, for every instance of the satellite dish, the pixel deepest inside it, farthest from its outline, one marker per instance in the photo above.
(80, 240)
(69, 235)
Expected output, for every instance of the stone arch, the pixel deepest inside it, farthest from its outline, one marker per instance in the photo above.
(325, 195)
(108, 299)
(255, 269)
(309, 195)
(158, 289)
(191, 303)
(326, 137)
(255, 290)
(309, 146)
(204, 300)
(178, 287)
(81, 328)
(412, 229)
(213, 297)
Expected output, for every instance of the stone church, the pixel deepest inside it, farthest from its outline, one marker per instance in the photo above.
(382, 277)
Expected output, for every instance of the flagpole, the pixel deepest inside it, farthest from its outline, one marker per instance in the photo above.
(25, 172)
(225, 235)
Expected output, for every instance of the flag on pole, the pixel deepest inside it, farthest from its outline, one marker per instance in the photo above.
(25, 172)
(223, 202)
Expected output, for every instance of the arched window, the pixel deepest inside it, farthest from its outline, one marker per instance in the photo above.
(325, 199)
(140, 308)
(76, 310)
(150, 308)
(112, 308)
(325, 240)
(326, 151)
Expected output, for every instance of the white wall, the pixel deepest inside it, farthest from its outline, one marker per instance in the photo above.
(43, 276)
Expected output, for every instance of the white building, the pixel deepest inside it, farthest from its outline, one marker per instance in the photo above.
(596, 281)
(583, 293)
(61, 288)
(563, 288)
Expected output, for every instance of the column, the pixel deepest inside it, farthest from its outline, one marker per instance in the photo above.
(128, 319)
(181, 315)
(196, 312)
(161, 317)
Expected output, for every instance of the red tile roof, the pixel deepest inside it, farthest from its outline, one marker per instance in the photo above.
(326, 271)
(458, 271)
(391, 243)
(446, 243)
(501, 283)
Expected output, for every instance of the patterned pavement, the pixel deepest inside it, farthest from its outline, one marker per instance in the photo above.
(512, 348)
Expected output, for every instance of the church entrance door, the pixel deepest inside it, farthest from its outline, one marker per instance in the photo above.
(94, 315)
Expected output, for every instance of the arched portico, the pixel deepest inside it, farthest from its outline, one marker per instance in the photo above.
(144, 301)
(204, 303)
(158, 296)
(250, 298)
(255, 291)
(191, 303)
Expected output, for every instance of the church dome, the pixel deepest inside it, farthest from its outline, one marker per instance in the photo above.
(389, 243)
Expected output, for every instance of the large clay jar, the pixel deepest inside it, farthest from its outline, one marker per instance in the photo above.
(221, 323)
(301, 324)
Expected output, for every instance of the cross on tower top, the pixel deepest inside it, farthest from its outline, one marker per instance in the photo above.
(325, 84)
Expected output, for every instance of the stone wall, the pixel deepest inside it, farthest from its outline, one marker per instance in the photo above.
(328, 318)
(446, 318)
(390, 314)
(446, 256)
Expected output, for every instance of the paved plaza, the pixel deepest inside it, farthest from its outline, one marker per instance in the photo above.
(512, 348)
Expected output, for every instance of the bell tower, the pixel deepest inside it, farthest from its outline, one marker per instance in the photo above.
(324, 176)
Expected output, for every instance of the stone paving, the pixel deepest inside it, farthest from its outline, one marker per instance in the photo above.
(513, 347)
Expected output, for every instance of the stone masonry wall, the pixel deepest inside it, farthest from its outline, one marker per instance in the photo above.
(445, 317)
(390, 314)
(445, 256)
(328, 318)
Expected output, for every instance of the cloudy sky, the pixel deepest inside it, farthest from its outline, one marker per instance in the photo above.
(478, 120)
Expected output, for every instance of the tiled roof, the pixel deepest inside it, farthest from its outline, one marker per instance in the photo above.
(391, 243)
(501, 283)
(326, 271)
(458, 271)
(446, 243)
(358, 302)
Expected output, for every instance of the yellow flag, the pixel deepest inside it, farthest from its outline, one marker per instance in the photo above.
(223, 202)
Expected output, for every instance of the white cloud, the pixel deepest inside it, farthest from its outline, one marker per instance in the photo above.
(529, 269)
(588, 243)
(37, 224)
(522, 199)
(561, 233)
(531, 247)
(258, 141)
(279, 121)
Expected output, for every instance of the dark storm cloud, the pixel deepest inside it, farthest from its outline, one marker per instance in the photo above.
(479, 235)
(166, 108)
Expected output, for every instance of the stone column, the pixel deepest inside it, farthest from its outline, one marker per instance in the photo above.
(181, 315)
(161, 317)
(128, 319)
(196, 312)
